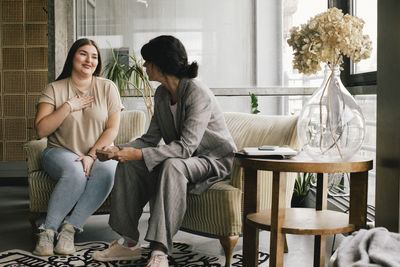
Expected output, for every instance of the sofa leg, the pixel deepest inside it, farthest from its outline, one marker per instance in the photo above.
(286, 248)
(32, 217)
(228, 244)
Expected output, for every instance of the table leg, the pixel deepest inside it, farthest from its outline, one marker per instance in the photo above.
(322, 191)
(321, 204)
(250, 205)
(358, 199)
(319, 250)
(278, 209)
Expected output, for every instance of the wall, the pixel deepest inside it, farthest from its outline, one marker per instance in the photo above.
(388, 117)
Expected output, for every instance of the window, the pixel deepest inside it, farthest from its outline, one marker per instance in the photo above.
(364, 73)
(367, 9)
(237, 43)
(219, 35)
(363, 76)
(297, 13)
(86, 12)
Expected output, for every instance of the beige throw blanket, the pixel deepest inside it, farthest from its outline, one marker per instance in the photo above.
(369, 248)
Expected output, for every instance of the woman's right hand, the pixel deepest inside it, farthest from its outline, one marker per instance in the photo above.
(106, 152)
(78, 103)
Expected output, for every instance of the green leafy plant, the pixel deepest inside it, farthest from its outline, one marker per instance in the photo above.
(301, 188)
(254, 104)
(303, 183)
(131, 77)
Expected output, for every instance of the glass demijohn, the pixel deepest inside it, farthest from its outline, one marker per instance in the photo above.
(331, 126)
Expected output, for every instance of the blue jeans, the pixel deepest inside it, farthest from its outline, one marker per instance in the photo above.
(73, 190)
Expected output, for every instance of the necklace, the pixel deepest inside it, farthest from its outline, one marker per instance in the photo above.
(80, 92)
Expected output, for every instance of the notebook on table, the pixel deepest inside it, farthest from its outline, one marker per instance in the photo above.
(268, 153)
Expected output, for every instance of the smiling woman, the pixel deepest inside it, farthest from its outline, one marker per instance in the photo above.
(78, 113)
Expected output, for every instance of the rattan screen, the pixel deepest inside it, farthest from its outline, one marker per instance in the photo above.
(1, 151)
(15, 129)
(36, 10)
(31, 105)
(36, 34)
(36, 81)
(14, 105)
(12, 10)
(23, 72)
(12, 34)
(14, 82)
(31, 129)
(13, 58)
(36, 58)
(14, 151)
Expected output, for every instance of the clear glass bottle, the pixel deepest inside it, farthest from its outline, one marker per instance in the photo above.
(331, 126)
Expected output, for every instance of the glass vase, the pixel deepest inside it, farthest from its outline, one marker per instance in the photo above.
(331, 126)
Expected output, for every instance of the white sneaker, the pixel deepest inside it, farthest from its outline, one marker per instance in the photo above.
(65, 243)
(117, 252)
(45, 243)
(158, 261)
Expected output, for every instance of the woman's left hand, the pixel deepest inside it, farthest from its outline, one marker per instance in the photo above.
(87, 163)
(128, 154)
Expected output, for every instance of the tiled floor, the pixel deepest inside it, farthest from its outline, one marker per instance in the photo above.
(15, 231)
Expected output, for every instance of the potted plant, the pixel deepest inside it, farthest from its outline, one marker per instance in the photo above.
(131, 78)
(302, 188)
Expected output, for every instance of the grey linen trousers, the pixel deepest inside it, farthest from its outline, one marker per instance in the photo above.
(166, 186)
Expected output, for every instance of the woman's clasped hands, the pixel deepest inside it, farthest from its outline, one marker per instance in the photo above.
(122, 154)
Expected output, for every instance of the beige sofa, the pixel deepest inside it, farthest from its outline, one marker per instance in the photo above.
(218, 211)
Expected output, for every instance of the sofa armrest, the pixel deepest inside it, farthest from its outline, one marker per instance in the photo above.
(33, 150)
(237, 174)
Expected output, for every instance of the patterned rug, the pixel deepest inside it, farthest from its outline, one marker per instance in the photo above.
(182, 255)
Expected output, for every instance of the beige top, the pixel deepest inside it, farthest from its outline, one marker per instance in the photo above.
(81, 129)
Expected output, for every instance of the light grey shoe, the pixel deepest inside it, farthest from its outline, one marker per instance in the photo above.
(117, 252)
(45, 243)
(65, 243)
(158, 261)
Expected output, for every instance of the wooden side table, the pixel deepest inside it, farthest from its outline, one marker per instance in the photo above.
(319, 222)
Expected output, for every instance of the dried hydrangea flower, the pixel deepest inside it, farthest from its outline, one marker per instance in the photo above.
(325, 38)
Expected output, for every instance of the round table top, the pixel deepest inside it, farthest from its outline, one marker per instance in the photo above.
(301, 163)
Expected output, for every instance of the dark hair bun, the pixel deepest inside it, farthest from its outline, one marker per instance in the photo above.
(169, 54)
(190, 71)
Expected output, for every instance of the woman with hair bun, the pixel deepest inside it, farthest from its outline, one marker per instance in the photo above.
(197, 153)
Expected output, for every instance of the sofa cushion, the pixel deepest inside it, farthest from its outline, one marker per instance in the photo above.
(249, 130)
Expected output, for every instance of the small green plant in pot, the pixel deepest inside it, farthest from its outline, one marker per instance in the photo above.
(302, 188)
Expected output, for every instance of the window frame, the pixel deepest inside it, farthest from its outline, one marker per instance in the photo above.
(359, 79)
